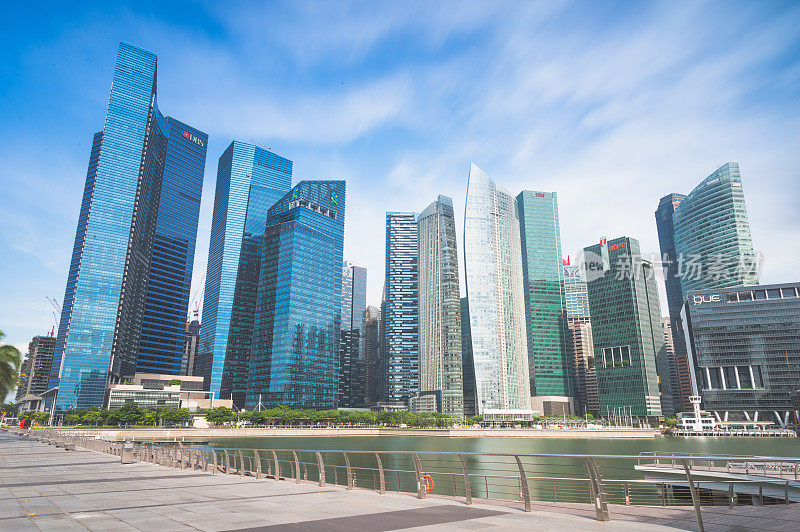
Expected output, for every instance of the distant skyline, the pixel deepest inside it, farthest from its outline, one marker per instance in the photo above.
(611, 105)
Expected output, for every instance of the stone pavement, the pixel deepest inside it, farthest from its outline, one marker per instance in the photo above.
(48, 488)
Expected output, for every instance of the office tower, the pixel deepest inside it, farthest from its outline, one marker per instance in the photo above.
(582, 350)
(372, 352)
(108, 302)
(467, 364)
(190, 345)
(298, 310)
(545, 313)
(400, 313)
(170, 276)
(250, 180)
(440, 307)
(493, 272)
(34, 374)
(680, 379)
(626, 328)
(744, 345)
(576, 299)
(351, 346)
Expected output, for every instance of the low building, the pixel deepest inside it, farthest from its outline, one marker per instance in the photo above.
(151, 390)
(35, 373)
(744, 350)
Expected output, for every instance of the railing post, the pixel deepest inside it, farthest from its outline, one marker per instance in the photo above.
(600, 504)
(467, 486)
(381, 478)
(320, 468)
(241, 463)
(213, 462)
(786, 492)
(695, 500)
(277, 466)
(227, 462)
(258, 463)
(296, 468)
(349, 471)
(731, 496)
(526, 496)
(421, 491)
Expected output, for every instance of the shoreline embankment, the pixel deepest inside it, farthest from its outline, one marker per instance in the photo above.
(145, 433)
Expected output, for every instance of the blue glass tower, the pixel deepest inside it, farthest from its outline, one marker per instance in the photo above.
(164, 320)
(250, 180)
(400, 315)
(298, 311)
(104, 301)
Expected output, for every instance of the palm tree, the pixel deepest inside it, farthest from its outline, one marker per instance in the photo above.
(10, 359)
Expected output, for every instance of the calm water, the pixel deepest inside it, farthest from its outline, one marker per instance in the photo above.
(495, 477)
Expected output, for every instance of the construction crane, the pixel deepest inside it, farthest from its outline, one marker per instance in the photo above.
(56, 314)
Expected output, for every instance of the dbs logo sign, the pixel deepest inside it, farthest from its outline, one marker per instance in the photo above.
(194, 138)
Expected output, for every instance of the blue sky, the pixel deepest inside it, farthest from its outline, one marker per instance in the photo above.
(612, 105)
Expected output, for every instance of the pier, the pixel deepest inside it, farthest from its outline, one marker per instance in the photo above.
(47, 485)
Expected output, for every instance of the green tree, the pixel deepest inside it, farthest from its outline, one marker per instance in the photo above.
(671, 422)
(10, 360)
(9, 409)
(130, 414)
(92, 417)
(220, 415)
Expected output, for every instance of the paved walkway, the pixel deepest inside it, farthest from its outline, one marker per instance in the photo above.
(48, 488)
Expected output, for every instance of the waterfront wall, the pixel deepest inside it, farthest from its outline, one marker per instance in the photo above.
(194, 433)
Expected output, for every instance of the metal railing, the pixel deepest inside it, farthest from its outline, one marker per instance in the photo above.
(523, 478)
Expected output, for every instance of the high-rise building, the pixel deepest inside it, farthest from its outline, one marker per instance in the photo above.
(467, 364)
(372, 352)
(34, 375)
(626, 328)
(440, 307)
(124, 251)
(298, 311)
(545, 313)
(680, 379)
(351, 346)
(190, 345)
(582, 349)
(576, 298)
(400, 313)
(744, 345)
(705, 243)
(493, 272)
(250, 180)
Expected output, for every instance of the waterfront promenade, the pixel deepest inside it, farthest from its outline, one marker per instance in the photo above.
(47, 488)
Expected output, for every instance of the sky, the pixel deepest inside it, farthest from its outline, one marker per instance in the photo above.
(610, 104)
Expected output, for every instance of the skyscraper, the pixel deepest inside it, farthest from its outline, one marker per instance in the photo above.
(372, 352)
(190, 345)
(298, 310)
(34, 375)
(585, 375)
(440, 307)
(400, 313)
(576, 298)
(680, 379)
(351, 346)
(626, 328)
(545, 313)
(109, 303)
(170, 276)
(493, 272)
(467, 364)
(250, 180)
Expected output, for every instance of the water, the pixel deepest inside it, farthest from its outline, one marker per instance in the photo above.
(490, 476)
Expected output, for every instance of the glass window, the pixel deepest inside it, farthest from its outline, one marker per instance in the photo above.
(704, 379)
(774, 293)
(788, 292)
(732, 298)
(716, 382)
(730, 377)
(744, 376)
(745, 296)
(759, 294)
(758, 381)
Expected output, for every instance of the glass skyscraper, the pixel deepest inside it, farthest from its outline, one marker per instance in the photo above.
(467, 364)
(298, 311)
(118, 234)
(400, 312)
(496, 302)
(440, 307)
(167, 298)
(352, 363)
(626, 329)
(250, 180)
(548, 359)
(576, 298)
(744, 344)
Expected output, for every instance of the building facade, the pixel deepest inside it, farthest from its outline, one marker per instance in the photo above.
(467, 363)
(493, 272)
(585, 376)
(680, 377)
(626, 329)
(744, 348)
(352, 363)
(170, 275)
(105, 305)
(191, 344)
(298, 311)
(250, 180)
(34, 375)
(440, 365)
(400, 313)
(576, 297)
(373, 376)
(549, 368)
